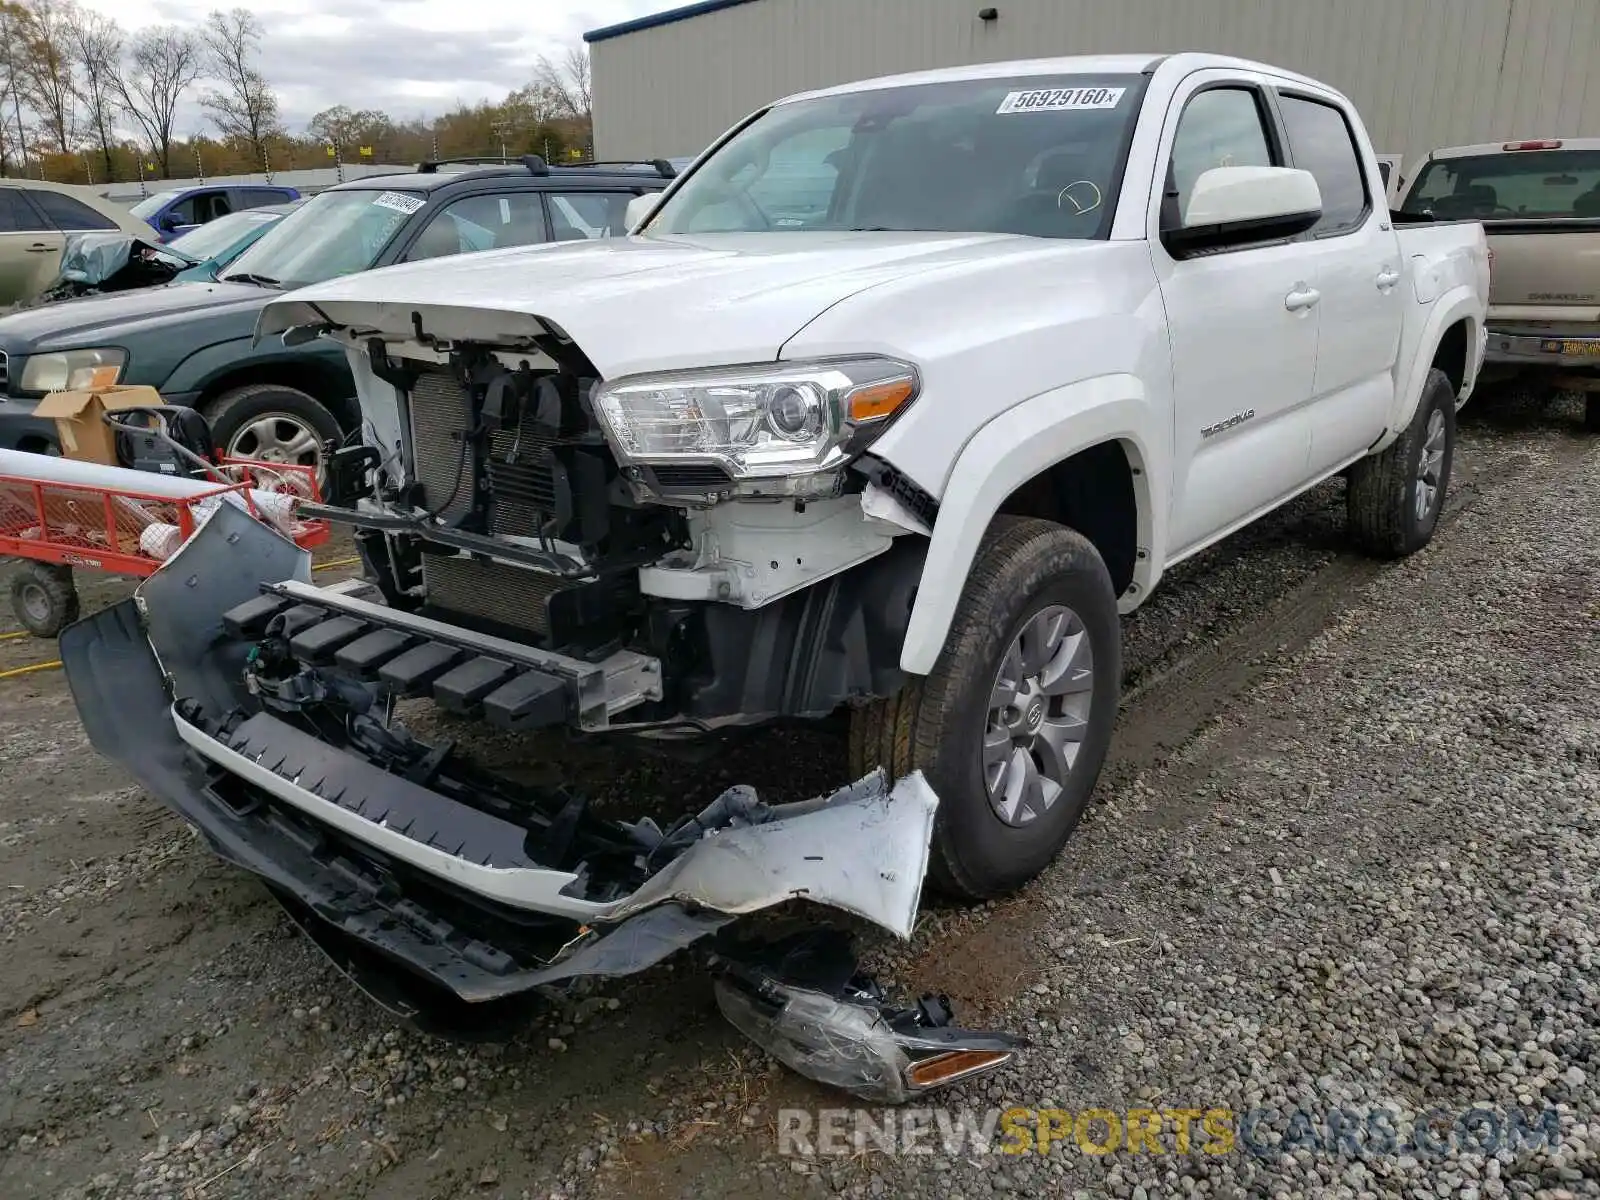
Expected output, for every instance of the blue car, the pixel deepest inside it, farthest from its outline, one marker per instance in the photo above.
(176, 212)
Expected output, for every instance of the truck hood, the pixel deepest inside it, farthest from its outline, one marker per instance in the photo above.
(638, 303)
(109, 318)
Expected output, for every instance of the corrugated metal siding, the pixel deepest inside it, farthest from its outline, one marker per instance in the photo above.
(1424, 73)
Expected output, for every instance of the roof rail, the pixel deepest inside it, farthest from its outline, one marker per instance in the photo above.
(662, 167)
(534, 164)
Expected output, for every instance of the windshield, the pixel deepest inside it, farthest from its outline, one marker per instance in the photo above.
(1037, 155)
(1515, 185)
(211, 239)
(332, 234)
(151, 205)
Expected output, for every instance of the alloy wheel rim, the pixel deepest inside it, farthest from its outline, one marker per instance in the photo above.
(277, 438)
(1038, 715)
(1430, 466)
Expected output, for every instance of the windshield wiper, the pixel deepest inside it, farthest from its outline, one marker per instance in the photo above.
(258, 280)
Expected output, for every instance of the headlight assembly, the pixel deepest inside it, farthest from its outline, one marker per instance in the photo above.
(70, 370)
(773, 428)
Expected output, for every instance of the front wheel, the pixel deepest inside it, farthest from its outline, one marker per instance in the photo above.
(1012, 726)
(274, 424)
(1591, 412)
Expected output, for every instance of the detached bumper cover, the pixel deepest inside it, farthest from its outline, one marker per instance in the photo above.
(401, 870)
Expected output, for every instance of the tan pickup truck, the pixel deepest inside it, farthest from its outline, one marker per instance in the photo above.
(1539, 202)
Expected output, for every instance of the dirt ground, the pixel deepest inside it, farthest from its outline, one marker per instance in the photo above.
(165, 1032)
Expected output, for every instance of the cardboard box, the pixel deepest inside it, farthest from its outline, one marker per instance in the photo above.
(79, 418)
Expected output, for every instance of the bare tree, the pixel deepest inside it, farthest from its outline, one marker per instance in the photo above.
(95, 42)
(163, 63)
(567, 83)
(47, 70)
(244, 109)
(14, 20)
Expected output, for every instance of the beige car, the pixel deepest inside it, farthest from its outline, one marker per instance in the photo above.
(35, 219)
(1539, 202)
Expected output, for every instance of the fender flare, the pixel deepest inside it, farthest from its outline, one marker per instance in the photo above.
(1006, 452)
(1458, 303)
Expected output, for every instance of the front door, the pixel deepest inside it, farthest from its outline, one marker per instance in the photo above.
(1243, 330)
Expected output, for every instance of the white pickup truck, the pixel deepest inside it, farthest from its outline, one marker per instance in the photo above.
(905, 443)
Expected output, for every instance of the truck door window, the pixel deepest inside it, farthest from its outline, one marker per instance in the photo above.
(1220, 127)
(1320, 141)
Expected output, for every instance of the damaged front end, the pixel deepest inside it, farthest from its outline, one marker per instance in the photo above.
(258, 708)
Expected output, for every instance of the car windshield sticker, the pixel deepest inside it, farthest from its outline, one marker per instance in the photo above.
(1060, 99)
(399, 201)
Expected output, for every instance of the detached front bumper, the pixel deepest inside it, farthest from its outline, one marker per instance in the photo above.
(445, 892)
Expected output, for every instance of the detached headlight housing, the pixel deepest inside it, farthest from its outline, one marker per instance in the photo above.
(72, 370)
(779, 429)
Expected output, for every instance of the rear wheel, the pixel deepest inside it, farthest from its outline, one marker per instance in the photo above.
(1011, 727)
(44, 598)
(1395, 498)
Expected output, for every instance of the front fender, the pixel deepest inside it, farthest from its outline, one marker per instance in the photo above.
(196, 372)
(1007, 452)
(1459, 303)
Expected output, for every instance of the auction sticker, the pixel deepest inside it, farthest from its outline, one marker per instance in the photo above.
(400, 202)
(1061, 100)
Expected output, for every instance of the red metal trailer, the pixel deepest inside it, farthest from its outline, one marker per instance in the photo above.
(57, 527)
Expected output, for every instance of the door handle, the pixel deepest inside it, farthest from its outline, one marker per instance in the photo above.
(1301, 298)
(41, 248)
(1387, 278)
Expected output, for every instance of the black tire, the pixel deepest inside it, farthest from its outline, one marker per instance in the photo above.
(1382, 499)
(1591, 412)
(234, 412)
(937, 724)
(44, 598)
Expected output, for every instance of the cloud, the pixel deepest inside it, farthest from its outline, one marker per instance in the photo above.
(409, 58)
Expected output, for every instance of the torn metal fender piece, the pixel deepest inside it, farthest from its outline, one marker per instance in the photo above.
(863, 849)
(880, 504)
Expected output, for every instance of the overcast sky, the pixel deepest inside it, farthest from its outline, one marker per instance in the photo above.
(408, 57)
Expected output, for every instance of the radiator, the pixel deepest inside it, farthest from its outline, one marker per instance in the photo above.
(440, 419)
(522, 484)
(490, 591)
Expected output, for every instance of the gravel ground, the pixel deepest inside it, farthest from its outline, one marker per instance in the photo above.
(1343, 857)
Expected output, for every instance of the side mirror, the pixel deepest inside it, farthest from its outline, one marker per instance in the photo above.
(168, 221)
(1231, 206)
(639, 210)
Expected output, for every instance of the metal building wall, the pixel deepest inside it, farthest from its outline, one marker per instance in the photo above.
(1424, 73)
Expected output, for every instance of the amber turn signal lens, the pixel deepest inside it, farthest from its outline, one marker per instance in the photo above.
(958, 1064)
(879, 400)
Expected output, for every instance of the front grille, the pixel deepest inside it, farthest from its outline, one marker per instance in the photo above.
(440, 420)
(489, 591)
(5, 373)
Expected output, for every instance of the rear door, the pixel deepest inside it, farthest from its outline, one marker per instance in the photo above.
(1242, 323)
(1356, 258)
(30, 248)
